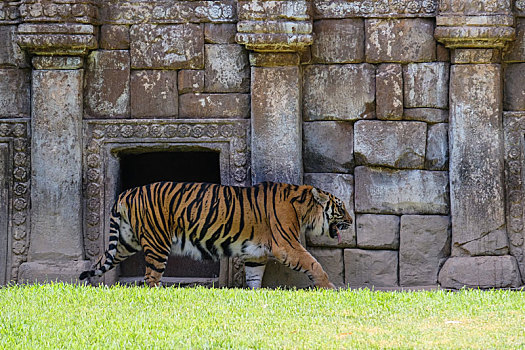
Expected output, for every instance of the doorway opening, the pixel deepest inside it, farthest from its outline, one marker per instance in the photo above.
(137, 169)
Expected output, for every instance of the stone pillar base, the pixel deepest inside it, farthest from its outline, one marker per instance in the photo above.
(480, 272)
(45, 272)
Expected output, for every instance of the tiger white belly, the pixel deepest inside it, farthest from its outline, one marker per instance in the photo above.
(189, 250)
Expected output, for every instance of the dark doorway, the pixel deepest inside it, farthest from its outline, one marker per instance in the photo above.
(144, 168)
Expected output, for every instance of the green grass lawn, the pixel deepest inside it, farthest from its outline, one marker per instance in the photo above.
(65, 316)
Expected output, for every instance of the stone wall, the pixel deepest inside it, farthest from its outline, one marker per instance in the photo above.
(411, 111)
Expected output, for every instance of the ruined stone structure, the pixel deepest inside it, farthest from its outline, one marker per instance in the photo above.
(412, 111)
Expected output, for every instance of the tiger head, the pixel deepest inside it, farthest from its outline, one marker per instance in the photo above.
(335, 217)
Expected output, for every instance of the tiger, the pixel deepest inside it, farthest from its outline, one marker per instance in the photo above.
(212, 221)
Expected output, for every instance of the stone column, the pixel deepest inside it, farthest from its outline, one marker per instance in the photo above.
(276, 32)
(56, 247)
(477, 32)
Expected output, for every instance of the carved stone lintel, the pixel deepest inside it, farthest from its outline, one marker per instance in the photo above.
(475, 37)
(274, 42)
(167, 11)
(374, 8)
(275, 26)
(65, 11)
(57, 39)
(475, 7)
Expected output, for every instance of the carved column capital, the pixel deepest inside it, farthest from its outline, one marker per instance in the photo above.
(275, 26)
(58, 27)
(475, 23)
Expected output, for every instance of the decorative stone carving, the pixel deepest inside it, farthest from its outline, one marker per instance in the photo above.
(16, 133)
(67, 11)
(167, 11)
(514, 138)
(475, 7)
(282, 26)
(374, 8)
(104, 139)
(9, 12)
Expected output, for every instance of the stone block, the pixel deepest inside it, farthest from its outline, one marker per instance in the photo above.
(389, 91)
(15, 87)
(429, 115)
(338, 41)
(377, 231)
(154, 94)
(477, 194)
(107, 84)
(516, 51)
(442, 53)
(47, 272)
(328, 146)
(400, 40)
(223, 33)
(202, 106)
(276, 124)
(332, 262)
(397, 144)
(114, 37)
(172, 46)
(341, 186)
(190, 80)
(385, 191)
(436, 157)
(227, 68)
(339, 92)
(514, 80)
(11, 55)
(370, 268)
(424, 247)
(426, 85)
(480, 272)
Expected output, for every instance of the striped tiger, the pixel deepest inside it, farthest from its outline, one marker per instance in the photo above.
(210, 221)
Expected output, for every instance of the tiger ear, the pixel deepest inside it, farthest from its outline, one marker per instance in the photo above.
(320, 197)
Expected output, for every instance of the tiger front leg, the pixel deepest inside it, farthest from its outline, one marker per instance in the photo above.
(254, 268)
(297, 258)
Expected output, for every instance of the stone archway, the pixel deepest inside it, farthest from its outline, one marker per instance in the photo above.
(105, 139)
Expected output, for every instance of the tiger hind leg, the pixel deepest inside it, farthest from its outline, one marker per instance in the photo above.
(155, 266)
(254, 269)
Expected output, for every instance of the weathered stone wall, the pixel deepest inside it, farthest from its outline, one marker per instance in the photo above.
(375, 111)
(411, 111)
